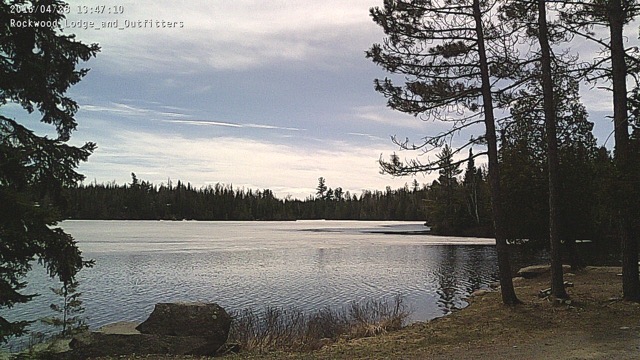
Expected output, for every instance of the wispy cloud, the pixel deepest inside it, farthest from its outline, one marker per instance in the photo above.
(368, 136)
(203, 123)
(260, 126)
(230, 124)
(386, 116)
(133, 111)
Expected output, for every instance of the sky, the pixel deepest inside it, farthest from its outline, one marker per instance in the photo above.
(258, 94)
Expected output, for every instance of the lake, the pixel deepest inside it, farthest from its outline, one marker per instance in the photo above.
(306, 264)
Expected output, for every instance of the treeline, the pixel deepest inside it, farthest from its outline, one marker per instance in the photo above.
(142, 200)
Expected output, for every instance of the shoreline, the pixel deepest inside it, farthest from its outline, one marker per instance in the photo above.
(596, 325)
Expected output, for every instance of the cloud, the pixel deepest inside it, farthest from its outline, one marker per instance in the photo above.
(403, 124)
(596, 99)
(230, 124)
(284, 168)
(271, 127)
(133, 111)
(230, 35)
(383, 115)
(203, 123)
(368, 136)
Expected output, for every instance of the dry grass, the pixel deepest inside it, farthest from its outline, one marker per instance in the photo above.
(292, 330)
(596, 325)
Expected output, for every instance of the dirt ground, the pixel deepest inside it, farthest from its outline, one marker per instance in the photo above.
(596, 325)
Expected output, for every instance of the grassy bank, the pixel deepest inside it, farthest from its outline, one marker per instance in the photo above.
(596, 325)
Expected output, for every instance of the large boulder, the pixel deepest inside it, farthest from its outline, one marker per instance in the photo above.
(175, 329)
(206, 320)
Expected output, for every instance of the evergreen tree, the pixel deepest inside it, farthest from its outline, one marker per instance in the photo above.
(69, 319)
(37, 66)
(614, 15)
(453, 56)
(321, 189)
(445, 208)
(471, 184)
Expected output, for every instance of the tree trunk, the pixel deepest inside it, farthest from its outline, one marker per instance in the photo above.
(630, 271)
(557, 280)
(504, 267)
(572, 254)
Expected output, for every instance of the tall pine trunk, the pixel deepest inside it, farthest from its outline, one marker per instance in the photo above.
(504, 267)
(557, 280)
(630, 271)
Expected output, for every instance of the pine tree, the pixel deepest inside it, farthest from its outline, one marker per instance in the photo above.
(452, 56)
(37, 66)
(69, 319)
(321, 189)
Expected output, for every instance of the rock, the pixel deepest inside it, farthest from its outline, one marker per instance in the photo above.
(544, 293)
(530, 272)
(171, 329)
(122, 328)
(547, 292)
(559, 301)
(97, 344)
(480, 292)
(188, 319)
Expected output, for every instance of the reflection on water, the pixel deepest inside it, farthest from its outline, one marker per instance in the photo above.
(308, 265)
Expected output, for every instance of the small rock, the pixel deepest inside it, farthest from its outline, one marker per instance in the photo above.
(480, 292)
(544, 293)
(624, 328)
(559, 301)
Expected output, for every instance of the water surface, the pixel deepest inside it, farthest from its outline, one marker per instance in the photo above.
(306, 264)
